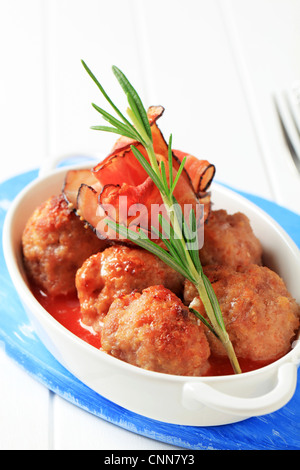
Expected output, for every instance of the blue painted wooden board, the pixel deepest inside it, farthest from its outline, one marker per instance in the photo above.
(276, 431)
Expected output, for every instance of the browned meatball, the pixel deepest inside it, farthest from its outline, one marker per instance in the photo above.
(55, 244)
(229, 240)
(155, 331)
(116, 271)
(260, 315)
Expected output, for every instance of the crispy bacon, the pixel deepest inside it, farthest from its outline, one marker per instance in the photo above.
(205, 199)
(89, 209)
(153, 113)
(99, 193)
(73, 180)
(96, 215)
(120, 168)
(201, 172)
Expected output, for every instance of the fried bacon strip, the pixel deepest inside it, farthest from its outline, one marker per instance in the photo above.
(97, 194)
(201, 171)
(73, 180)
(95, 215)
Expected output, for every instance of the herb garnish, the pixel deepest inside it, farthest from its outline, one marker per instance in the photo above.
(177, 255)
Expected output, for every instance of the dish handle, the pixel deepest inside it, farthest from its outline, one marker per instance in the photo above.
(195, 393)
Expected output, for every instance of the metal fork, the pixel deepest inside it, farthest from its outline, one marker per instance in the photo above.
(287, 105)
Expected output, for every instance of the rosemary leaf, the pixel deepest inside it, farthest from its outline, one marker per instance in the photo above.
(201, 317)
(164, 176)
(143, 241)
(178, 175)
(169, 246)
(170, 161)
(128, 123)
(214, 302)
(194, 229)
(129, 90)
(113, 130)
(115, 122)
(147, 167)
(173, 237)
(134, 115)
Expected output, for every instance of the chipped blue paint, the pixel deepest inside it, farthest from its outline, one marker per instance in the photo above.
(276, 431)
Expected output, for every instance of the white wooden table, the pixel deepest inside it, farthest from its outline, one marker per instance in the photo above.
(213, 64)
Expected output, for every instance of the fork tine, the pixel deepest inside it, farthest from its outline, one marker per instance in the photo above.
(288, 126)
(293, 102)
(296, 91)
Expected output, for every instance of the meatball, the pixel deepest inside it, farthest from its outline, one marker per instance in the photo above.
(119, 270)
(55, 244)
(229, 240)
(155, 331)
(260, 315)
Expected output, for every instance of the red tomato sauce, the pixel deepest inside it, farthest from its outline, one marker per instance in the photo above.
(66, 311)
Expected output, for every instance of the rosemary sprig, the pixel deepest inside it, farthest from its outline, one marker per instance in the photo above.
(177, 254)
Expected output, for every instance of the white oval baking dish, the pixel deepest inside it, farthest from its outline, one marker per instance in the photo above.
(196, 401)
